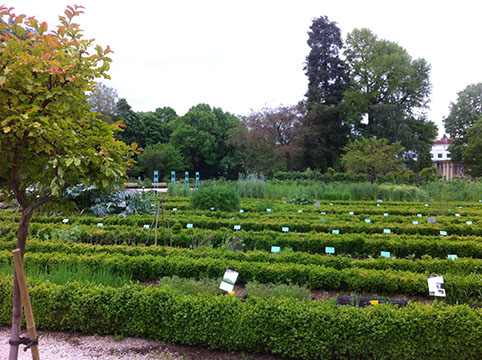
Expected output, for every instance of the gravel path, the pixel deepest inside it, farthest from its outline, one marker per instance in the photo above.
(56, 345)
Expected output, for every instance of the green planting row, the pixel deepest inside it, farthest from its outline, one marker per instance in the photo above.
(358, 244)
(285, 327)
(148, 267)
(461, 266)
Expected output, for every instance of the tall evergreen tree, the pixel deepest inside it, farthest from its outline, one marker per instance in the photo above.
(326, 133)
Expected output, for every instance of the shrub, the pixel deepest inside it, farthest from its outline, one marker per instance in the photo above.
(266, 291)
(221, 197)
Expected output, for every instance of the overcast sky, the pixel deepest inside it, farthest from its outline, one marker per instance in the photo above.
(243, 55)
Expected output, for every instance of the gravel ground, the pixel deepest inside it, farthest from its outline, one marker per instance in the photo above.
(56, 345)
(71, 346)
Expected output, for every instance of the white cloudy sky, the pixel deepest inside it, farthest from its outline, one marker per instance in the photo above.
(243, 55)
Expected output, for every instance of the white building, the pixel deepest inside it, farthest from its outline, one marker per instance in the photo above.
(440, 149)
(443, 162)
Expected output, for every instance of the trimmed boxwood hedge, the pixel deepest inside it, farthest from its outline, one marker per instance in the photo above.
(287, 327)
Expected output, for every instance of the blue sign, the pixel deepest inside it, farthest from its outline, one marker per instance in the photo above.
(100, 224)
(452, 256)
(443, 233)
(323, 220)
(415, 222)
(468, 222)
(186, 176)
(237, 227)
(387, 231)
(189, 226)
(336, 232)
(285, 229)
(241, 211)
(458, 215)
(323, 213)
(300, 211)
(385, 214)
(368, 221)
(268, 210)
(275, 249)
(385, 254)
(419, 215)
(351, 213)
(211, 208)
(329, 250)
(197, 175)
(173, 176)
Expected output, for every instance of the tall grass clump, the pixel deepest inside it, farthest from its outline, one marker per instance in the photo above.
(62, 274)
(251, 189)
(454, 190)
(191, 286)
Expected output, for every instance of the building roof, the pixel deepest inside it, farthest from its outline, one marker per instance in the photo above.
(443, 141)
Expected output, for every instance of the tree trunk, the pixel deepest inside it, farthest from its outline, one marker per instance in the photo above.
(23, 229)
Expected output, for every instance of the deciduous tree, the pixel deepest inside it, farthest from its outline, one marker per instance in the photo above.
(103, 100)
(471, 155)
(463, 115)
(49, 138)
(373, 157)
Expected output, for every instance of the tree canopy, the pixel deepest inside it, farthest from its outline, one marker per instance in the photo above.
(373, 157)
(463, 115)
(50, 139)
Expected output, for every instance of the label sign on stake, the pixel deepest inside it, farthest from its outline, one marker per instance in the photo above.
(285, 229)
(189, 226)
(268, 210)
(336, 232)
(432, 220)
(174, 209)
(379, 200)
(329, 250)
(317, 204)
(415, 222)
(351, 213)
(387, 231)
(147, 226)
(100, 224)
(275, 249)
(378, 204)
(65, 221)
(300, 211)
(443, 233)
(385, 254)
(323, 213)
(368, 221)
(385, 214)
(241, 211)
(229, 279)
(212, 208)
(436, 286)
(237, 227)
(419, 215)
(468, 222)
(323, 219)
(426, 204)
(452, 256)
(457, 215)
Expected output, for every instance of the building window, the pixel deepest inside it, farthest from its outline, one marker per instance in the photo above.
(448, 155)
(439, 156)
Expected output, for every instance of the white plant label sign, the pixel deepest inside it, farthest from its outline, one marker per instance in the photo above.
(436, 286)
(229, 279)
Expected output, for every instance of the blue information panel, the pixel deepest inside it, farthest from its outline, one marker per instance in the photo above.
(329, 250)
(156, 176)
(275, 249)
(186, 176)
(197, 176)
(385, 254)
(173, 176)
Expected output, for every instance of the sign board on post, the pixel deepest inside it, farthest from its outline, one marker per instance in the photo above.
(385, 254)
(368, 221)
(285, 229)
(452, 256)
(156, 176)
(329, 250)
(186, 177)
(197, 176)
(415, 222)
(432, 220)
(146, 226)
(468, 222)
(336, 232)
(188, 226)
(229, 279)
(241, 211)
(387, 231)
(351, 213)
(237, 227)
(100, 224)
(385, 214)
(436, 286)
(275, 249)
(65, 221)
(419, 215)
(173, 176)
(443, 233)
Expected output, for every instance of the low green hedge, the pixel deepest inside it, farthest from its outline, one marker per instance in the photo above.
(148, 267)
(286, 327)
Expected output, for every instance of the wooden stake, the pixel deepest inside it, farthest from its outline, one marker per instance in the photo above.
(27, 306)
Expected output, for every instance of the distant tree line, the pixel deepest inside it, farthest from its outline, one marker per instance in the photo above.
(360, 91)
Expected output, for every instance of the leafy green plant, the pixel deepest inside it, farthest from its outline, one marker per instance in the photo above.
(301, 199)
(190, 286)
(219, 197)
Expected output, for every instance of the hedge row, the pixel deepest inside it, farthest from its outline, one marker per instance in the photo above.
(462, 266)
(360, 244)
(148, 267)
(286, 327)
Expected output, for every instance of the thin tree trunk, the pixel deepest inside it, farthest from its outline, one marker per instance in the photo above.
(14, 216)
(23, 229)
